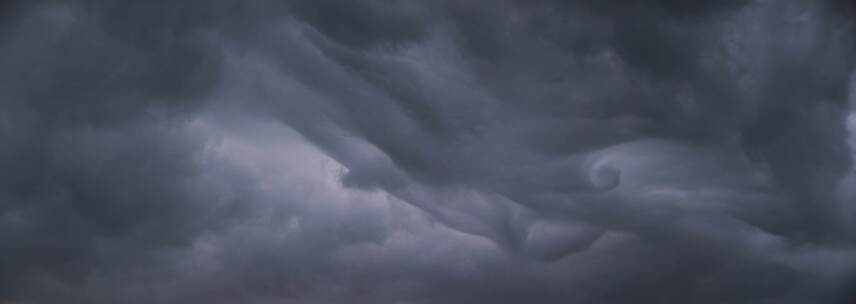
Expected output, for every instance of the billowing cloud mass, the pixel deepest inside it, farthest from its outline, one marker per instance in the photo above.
(404, 151)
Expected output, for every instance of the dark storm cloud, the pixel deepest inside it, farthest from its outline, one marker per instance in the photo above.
(569, 151)
(98, 169)
(713, 128)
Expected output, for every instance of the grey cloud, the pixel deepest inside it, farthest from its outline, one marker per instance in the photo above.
(740, 95)
(98, 168)
(426, 152)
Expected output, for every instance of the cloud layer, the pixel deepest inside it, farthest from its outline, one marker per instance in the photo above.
(395, 151)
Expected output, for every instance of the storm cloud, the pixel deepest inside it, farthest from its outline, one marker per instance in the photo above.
(402, 151)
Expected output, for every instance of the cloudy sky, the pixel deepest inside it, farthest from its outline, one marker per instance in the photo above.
(416, 151)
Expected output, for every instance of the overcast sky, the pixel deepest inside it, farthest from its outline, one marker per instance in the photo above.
(427, 151)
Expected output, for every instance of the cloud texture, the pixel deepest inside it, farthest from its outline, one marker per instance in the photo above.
(398, 151)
